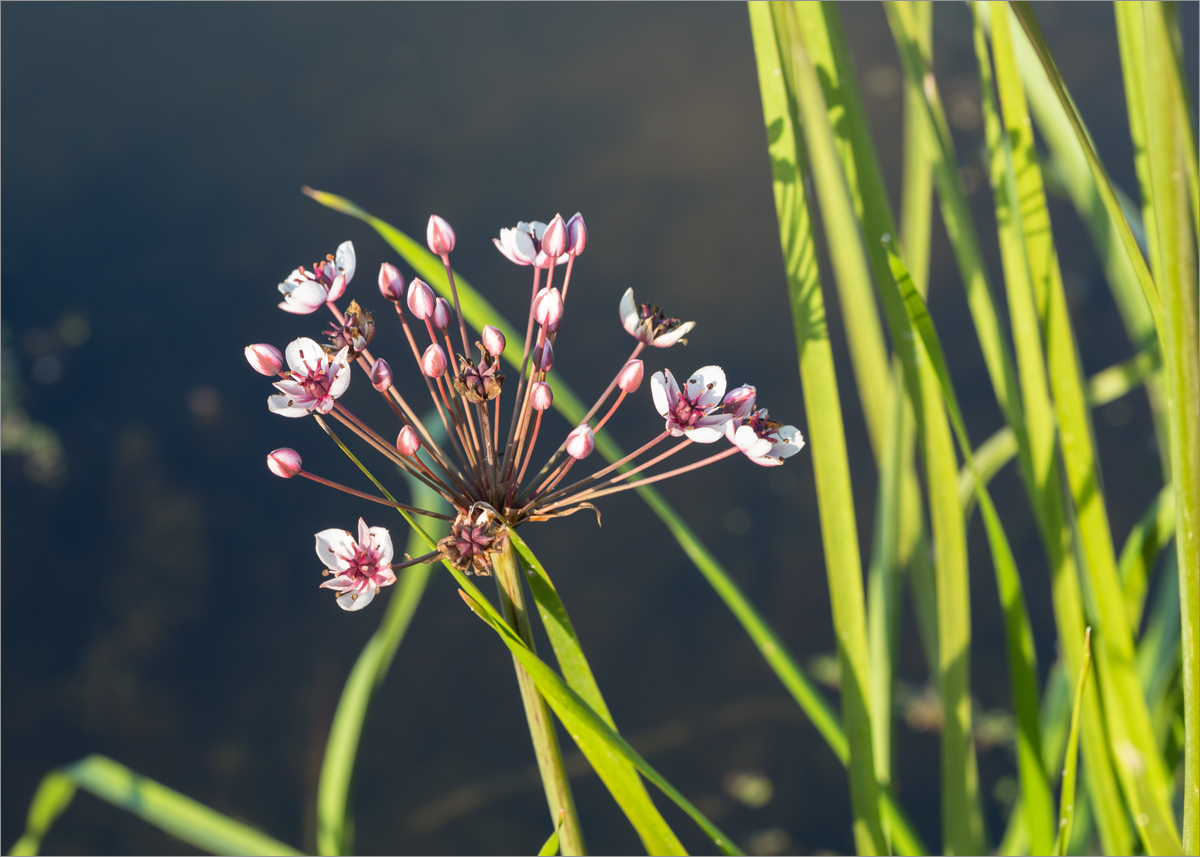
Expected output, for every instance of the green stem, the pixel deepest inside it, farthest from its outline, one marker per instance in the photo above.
(537, 713)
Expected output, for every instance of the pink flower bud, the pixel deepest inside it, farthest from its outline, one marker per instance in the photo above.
(580, 442)
(265, 359)
(420, 298)
(541, 396)
(439, 236)
(548, 309)
(391, 286)
(493, 340)
(554, 239)
(381, 375)
(433, 361)
(408, 442)
(284, 463)
(739, 402)
(543, 356)
(576, 235)
(441, 314)
(631, 376)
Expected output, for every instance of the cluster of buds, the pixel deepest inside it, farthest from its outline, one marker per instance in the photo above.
(479, 472)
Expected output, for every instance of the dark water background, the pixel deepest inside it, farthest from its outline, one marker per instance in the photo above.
(159, 596)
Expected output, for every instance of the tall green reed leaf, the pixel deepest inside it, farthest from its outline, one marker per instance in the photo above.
(188, 820)
(603, 747)
(915, 229)
(657, 835)
(1170, 146)
(1046, 490)
(1018, 635)
(1067, 800)
(789, 86)
(1138, 762)
(510, 590)
(897, 537)
(1145, 542)
(1103, 186)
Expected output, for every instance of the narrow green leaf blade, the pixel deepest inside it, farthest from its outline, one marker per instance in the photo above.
(656, 834)
(163, 807)
(1067, 800)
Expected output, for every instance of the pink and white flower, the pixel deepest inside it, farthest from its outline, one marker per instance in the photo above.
(650, 325)
(764, 441)
(523, 245)
(695, 409)
(360, 568)
(315, 381)
(305, 291)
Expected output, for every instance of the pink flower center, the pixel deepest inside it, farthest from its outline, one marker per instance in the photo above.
(363, 564)
(686, 413)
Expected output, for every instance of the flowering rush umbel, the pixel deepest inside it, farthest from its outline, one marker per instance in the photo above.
(492, 424)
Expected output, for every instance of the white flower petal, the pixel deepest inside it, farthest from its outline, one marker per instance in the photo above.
(287, 406)
(706, 386)
(304, 356)
(290, 388)
(789, 443)
(747, 440)
(672, 336)
(352, 601)
(303, 297)
(334, 546)
(705, 434)
(339, 583)
(662, 390)
(383, 542)
(629, 313)
(345, 259)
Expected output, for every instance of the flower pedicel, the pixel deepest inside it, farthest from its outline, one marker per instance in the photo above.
(479, 470)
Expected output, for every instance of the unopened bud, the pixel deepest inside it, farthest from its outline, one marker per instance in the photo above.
(554, 239)
(493, 340)
(631, 376)
(408, 442)
(441, 314)
(420, 298)
(576, 235)
(541, 397)
(391, 286)
(284, 463)
(433, 361)
(739, 402)
(439, 236)
(543, 356)
(265, 359)
(580, 442)
(548, 309)
(381, 375)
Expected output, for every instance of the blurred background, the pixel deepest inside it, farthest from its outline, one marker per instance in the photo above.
(160, 600)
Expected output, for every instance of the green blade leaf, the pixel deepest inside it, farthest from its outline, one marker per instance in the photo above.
(635, 801)
(163, 807)
(790, 88)
(1067, 800)
(606, 750)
